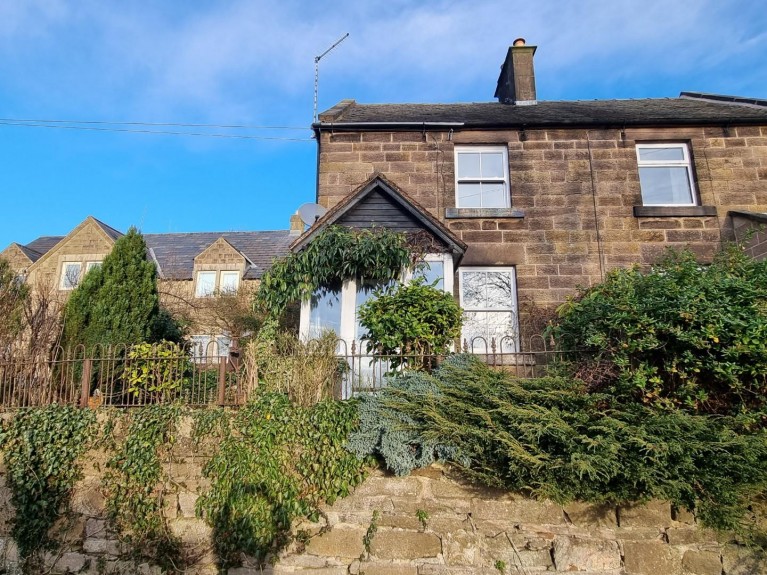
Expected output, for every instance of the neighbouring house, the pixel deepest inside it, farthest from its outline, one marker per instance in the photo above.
(204, 278)
(528, 199)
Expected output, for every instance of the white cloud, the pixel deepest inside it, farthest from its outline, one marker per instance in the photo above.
(249, 60)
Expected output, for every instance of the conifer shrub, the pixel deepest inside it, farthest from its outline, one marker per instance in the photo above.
(387, 431)
(682, 334)
(117, 302)
(553, 439)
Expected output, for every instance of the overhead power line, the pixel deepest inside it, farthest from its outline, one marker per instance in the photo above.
(61, 126)
(176, 124)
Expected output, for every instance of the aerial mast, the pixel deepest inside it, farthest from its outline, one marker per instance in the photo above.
(317, 70)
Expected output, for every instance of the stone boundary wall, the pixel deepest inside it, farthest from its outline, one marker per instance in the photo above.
(429, 523)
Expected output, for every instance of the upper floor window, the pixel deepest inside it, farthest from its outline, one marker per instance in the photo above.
(91, 265)
(206, 284)
(482, 177)
(70, 275)
(226, 282)
(229, 282)
(665, 174)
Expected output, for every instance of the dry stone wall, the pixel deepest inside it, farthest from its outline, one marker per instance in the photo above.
(429, 523)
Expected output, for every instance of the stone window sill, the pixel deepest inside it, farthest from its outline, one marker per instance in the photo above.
(455, 213)
(673, 211)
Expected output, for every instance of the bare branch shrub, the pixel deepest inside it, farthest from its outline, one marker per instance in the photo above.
(307, 371)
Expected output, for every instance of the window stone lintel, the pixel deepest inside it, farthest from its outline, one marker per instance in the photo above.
(673, 211)
(454, 213)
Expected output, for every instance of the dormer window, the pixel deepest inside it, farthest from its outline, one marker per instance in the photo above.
(206, 284)
(211, 282)
(229, 282)
(482, 177)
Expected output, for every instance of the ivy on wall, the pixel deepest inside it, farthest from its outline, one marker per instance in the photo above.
(335, 254)
(276, 462)
(133, 479)
(40, 448)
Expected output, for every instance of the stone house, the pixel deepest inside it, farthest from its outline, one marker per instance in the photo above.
(204, 278)
(529, 199)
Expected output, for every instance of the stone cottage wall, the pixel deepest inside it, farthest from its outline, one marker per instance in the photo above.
(426, 524)
(576, 188)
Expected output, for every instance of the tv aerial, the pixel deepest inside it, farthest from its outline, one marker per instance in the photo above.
(310, 213)
(317, 70)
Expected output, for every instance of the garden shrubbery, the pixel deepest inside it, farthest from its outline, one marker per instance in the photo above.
(682, 335)
(665, 398)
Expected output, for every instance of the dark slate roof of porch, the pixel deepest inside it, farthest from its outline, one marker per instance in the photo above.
(380, 203)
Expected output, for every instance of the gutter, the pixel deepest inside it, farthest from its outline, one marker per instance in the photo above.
(595, 125)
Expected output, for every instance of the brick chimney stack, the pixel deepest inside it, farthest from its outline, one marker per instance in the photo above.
(516, 84)
(296, 225)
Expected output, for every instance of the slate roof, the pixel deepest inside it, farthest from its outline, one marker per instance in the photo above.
(108, 230)
(40, 246)
(175, 253)
(689, 108)
(30, 253)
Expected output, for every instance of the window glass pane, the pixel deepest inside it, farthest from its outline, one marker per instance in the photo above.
(494, 196)
(665, 185)
(229, 282)
(223, 342)
(480, 328)
(206, 283)
(492, 165)
(672, 153)
(468, 165)
(473, 290)
(499, 290)
(469, 195)
(90, 265)
(70, 275)
(365, 291)
(431, 272)
(325, 312)
(201, 347)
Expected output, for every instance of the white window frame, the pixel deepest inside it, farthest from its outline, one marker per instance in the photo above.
(458, 150)
(514, 309)
(686, 162)
(198, 284)
(348, 299)
(90, 265)
(232, 273)
(69, 286)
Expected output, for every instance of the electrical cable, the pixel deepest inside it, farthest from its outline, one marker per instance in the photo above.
(159, 132)
(175, 124)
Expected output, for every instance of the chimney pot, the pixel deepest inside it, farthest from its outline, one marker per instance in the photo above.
(516, 83)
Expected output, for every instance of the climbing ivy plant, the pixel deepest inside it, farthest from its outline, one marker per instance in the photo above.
(40, 448)
(335, 254)
(276, 462)
(132, 480)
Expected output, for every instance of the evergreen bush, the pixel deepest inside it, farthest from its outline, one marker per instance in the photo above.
(681, 334)
(395, 435)
(117, 302)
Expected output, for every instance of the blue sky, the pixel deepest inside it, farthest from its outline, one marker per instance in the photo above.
(245, 62)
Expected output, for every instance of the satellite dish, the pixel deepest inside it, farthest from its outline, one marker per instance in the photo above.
(310, 213)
